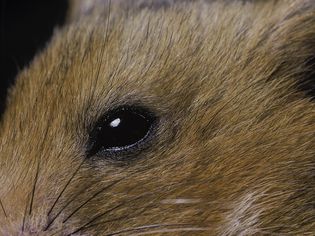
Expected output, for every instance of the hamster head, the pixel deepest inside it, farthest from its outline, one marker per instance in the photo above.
(165, 118)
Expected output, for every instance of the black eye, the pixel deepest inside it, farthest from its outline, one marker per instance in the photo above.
(122, 129)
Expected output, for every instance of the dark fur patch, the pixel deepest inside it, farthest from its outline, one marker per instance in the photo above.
(307, 84)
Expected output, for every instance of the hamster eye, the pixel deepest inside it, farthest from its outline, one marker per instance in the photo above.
(122, 129)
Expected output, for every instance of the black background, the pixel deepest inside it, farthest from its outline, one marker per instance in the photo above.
(26, 25)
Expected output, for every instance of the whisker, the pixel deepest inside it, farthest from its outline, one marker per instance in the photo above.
(91, 198)
(145, 227)
(65, 206)
(30, 200)
(3, 209)
(32, 196)
(95, 218)
(119, 218)
(64, 188)
(25, 214)
(34, 188)
(56, 233)
(60, 194)
(172, 230)
(103, 222)
(89, 224)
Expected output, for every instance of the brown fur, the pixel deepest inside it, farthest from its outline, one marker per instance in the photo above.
(234, 152)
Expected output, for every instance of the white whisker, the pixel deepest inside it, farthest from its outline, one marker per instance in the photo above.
(180, 201)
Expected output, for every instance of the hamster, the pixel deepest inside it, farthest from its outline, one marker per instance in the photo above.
(165, 118)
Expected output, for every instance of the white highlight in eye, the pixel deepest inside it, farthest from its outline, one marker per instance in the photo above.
(180, 201)
(115, 123)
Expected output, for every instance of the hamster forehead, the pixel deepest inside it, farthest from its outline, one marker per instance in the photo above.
(234, 147)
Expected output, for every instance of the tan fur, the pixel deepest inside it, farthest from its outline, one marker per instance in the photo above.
(234, 153)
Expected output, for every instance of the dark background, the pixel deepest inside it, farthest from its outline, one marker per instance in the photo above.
(26, 25)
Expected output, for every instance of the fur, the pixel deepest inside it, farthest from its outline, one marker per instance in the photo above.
(234, 152)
